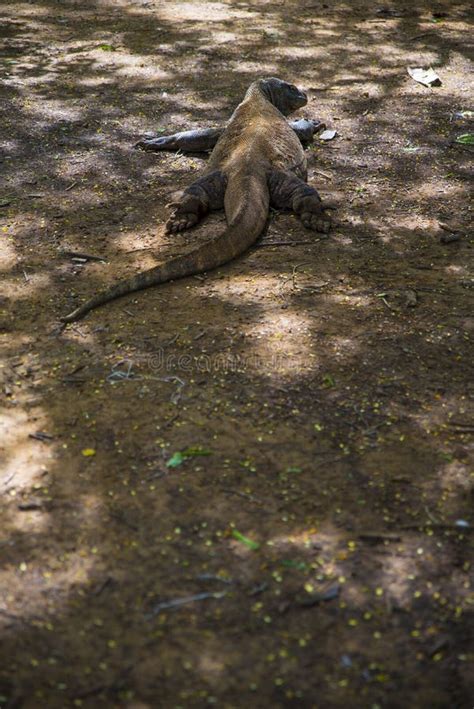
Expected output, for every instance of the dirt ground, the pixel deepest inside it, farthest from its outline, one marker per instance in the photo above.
(249, 489)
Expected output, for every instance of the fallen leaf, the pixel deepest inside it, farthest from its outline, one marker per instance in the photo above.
(327, 135)
(191, 452)
(245, 540)
(427, 77)
(465, 139)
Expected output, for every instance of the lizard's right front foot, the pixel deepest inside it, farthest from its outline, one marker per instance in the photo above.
(312, 214)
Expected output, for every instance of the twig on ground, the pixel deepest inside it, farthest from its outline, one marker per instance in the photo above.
(324, 174)
(378, 537)
(145, 248)
(9, 479)
(213, 577)
(439, 525)
(41, 436)
(245, 495)
(79, 254)
(177, 602)
(260, 588)
(285, 243)
(429, 515)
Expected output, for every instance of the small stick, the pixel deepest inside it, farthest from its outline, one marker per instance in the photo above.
(324, 174)
(430, 516)
(70, 187)
(379, 536)
(213, 577)
(26, 276)
(41, 436)
(417, 36)
(284, 243)
(460, 424)
(78, 254)
(177, 602)
(439, 525)
(245, 495)
(448, 227)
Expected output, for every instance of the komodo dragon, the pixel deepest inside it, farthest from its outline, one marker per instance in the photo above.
(257, 161)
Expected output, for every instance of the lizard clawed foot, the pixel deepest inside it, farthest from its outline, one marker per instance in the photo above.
(317, 221)
(181, 221)
(311, 211)
(155, 144)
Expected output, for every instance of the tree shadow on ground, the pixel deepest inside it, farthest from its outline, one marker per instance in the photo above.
(326, 386)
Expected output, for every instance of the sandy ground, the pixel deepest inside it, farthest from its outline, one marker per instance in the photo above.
(249, 489)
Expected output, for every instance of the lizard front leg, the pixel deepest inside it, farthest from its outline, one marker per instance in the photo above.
(287, 191)
(189, 141)
(204, 195)
(204, 140)
(199, 141)
(305, 129)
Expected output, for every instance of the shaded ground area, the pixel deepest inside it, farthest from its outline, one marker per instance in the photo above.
(250, 488)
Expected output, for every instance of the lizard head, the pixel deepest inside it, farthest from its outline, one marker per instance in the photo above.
(286, 97)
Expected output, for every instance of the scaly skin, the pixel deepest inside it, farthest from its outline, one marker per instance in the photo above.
(257, 159)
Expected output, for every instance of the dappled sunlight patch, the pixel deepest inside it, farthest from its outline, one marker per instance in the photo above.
(125, 64)
(26, 284)
(54, 109)
(22, 459)
(284, 338)
(455, 479)
(27, 9)
(437, 187)
(10, 146)
(253, 67)
(457, 269)
(141, 249)
(212, 666)
(40, 587)
(343, 346)
(327, 537)
(205, 12)
(346, 299)
(8, 256)
(398, 573)
(31, 516)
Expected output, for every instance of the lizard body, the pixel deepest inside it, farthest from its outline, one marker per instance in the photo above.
(257, 160)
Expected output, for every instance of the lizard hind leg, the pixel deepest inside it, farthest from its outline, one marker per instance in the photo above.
(288, 191)
(202, 196)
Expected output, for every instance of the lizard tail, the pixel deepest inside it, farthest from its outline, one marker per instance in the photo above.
(244, 227)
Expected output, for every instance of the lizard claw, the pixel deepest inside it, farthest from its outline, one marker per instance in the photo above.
(181, 222)
(155, 144)
(317, 221)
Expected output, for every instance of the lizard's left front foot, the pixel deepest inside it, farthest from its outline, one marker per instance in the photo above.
(155, 144)
(311, 212)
